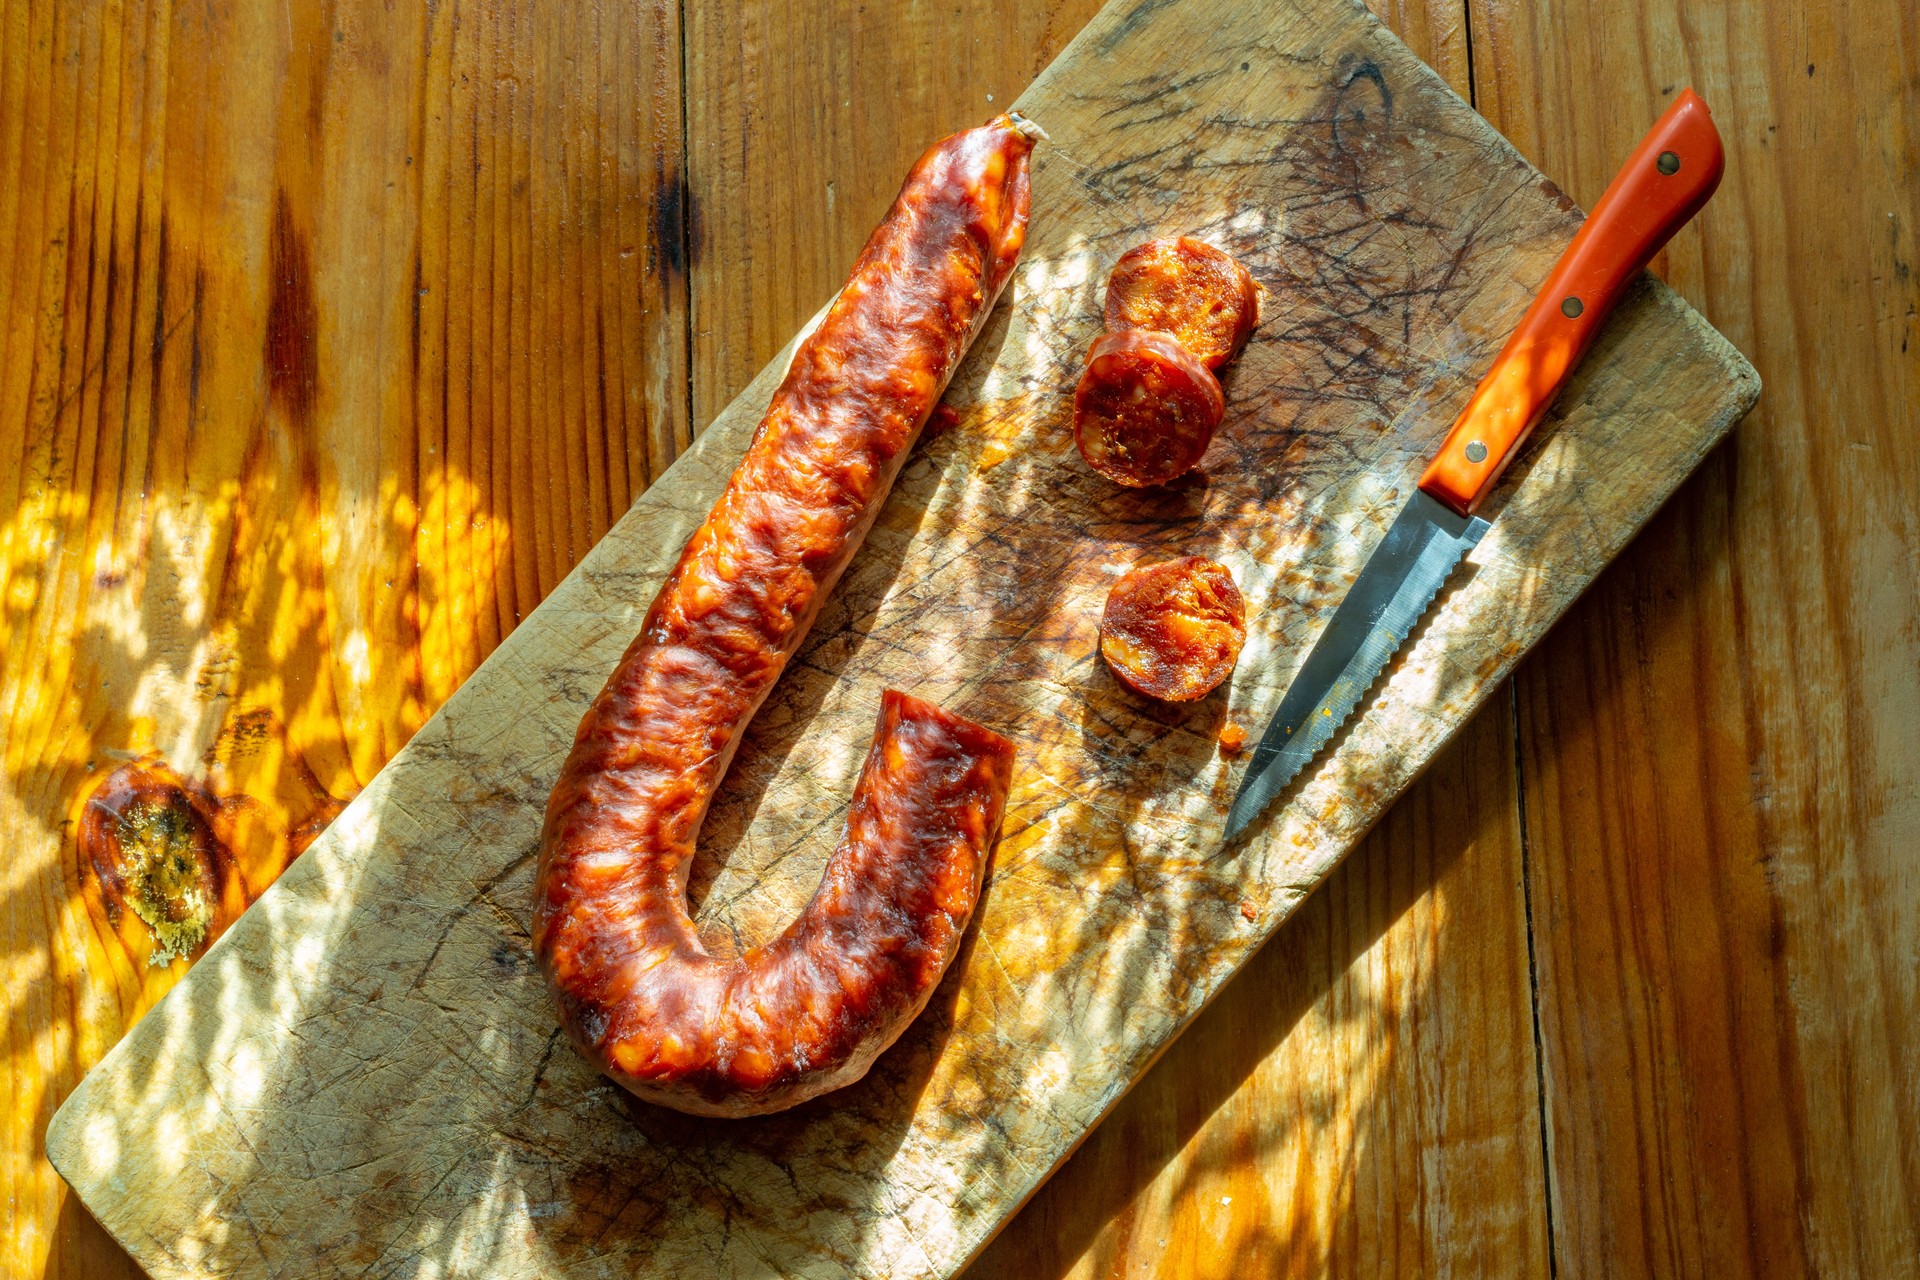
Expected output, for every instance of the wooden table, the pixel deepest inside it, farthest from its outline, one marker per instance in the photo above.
(1626, 986)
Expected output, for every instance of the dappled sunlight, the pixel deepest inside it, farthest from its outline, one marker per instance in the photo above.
(179, 636)
(212, 1059)
(277, 364)
(462, 543)
(372, 1038)
(1362, 1058)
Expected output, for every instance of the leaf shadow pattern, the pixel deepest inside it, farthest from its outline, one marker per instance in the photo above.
(980, 628)
(444, 1128)
(164, 636)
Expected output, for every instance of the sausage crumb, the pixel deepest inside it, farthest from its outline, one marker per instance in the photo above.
(1248, 911)
(1232, 738)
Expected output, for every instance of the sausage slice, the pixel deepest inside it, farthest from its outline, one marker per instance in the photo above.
(1173, 630)
(810, 1011)
(1146, 408)
(1186, 288)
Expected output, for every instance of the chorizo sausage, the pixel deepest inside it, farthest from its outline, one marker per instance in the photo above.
(1199, 295)
(1173, 630)
(1146, 408)
(637, 991)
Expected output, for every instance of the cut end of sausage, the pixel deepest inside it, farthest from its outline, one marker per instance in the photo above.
(1186, 288)
(809, 1012)
(1146, 409)
(1173, 630)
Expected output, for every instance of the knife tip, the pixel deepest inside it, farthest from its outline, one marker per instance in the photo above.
(1258, 791)
(1238, 820)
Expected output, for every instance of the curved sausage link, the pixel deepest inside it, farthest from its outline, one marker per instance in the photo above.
(809, 1012)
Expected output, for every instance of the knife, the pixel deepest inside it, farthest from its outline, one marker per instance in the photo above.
(1664, 183)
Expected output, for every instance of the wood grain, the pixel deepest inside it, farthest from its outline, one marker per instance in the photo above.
(1437, 31)
(1719, 745)
(1644, 1102)
(368, 1050)
(330, 337)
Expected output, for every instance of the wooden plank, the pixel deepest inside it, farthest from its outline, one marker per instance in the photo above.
(1719, 746)
(1378, 1054)
(1437, 31)
(802, 116)
(1361, 1100)
(330, 336)
(367, 1064)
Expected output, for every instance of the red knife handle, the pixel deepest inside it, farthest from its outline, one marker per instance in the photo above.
(1669, 176)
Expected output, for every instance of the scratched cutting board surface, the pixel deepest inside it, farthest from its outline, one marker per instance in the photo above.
(363, 1077)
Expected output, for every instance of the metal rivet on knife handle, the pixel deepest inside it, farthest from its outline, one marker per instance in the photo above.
(1668, 163)
(1476, 451)
(1572, 307)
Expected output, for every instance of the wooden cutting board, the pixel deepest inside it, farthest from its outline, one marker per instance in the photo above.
(363, 1077)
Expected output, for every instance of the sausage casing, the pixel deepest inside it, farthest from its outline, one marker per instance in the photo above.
(637, 991)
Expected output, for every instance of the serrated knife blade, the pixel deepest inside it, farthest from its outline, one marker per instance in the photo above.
(1404, 574)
